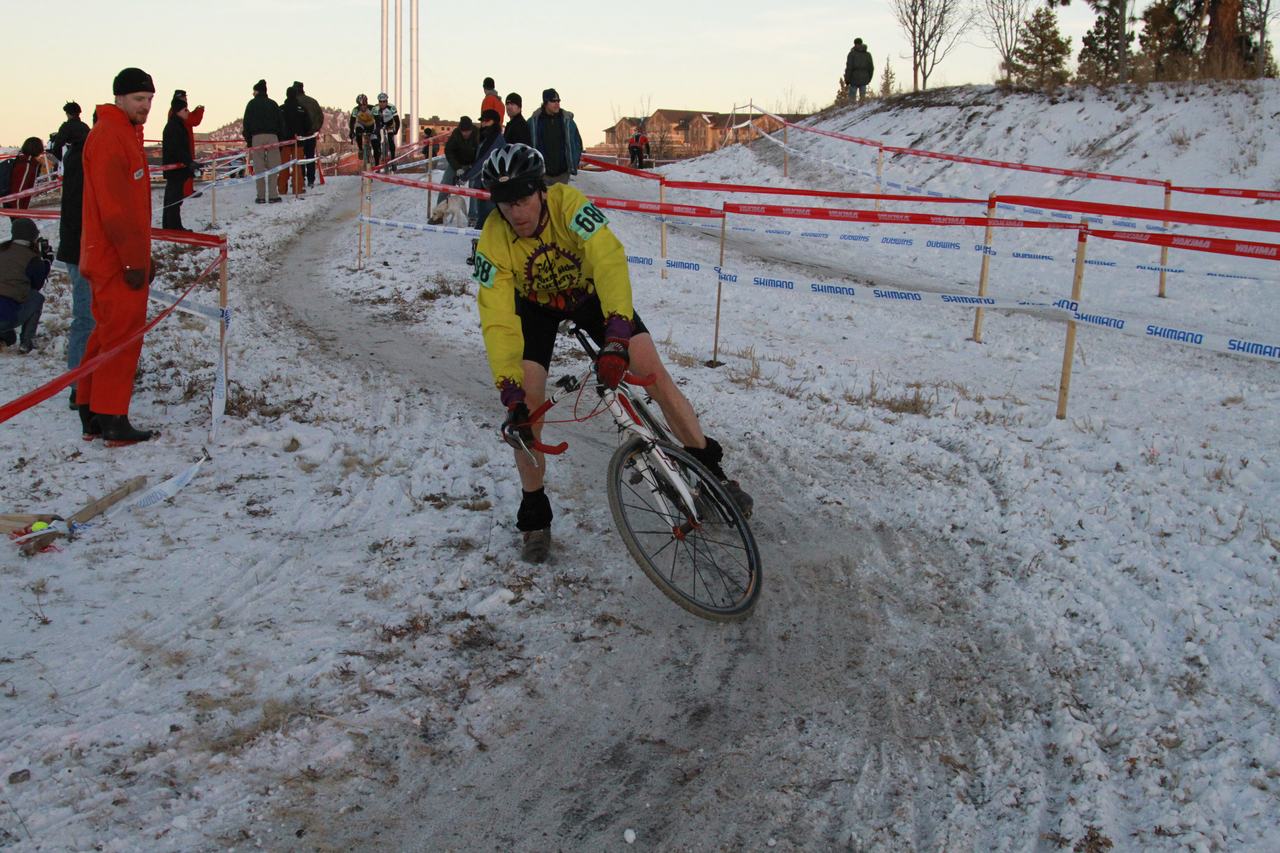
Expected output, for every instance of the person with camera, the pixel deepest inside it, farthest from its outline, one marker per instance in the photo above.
(115, 256)
(177, 151)
(24, 265)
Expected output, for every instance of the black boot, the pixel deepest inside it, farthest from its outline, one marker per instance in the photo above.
(710, 457)
(117, 431)
(89, 426)
(534, 521)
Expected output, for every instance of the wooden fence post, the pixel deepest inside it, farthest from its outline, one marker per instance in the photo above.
(1164, 250)
(786, 153)
(662, 196)
(985, 273)
(879, 173)
(222, 322)
(1068, 352)
(715, 346)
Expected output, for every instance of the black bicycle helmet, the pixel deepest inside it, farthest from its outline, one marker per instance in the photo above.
(514, 172)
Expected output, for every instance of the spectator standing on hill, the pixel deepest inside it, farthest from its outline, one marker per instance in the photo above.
(492, 100)
(296, 125)
(517, 129)
(72, 131)
(263, 127)
(69, 250)
(490, 140)
(24, 266)
(23, 171)
(315, 124)
(638, 148)
(859, 69)
(556, 137)
(176, 150)
(115, 256)
(192, 121)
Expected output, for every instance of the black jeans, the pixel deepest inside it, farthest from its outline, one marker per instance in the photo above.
(308, 153)
(174, 184)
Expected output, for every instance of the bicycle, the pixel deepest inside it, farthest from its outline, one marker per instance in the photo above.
(679, 524)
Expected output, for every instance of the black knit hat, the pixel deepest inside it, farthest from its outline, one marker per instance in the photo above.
(177, 104)
(514, 98)
(260, 86)
(132, 80)
(550, 95)
(464, 123)
(180, 93)
(297, 85)
(71, 108)
(490, 115)
(25, 229)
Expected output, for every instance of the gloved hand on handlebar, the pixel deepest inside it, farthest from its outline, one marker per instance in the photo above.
(516, 429)
(613, 360)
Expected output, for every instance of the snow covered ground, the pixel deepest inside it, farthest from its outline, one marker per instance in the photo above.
(981, 627)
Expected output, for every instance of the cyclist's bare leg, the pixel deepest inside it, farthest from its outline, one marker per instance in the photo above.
(535, 393)
(645, 361)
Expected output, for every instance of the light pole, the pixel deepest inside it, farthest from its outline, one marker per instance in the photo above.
(413, 71)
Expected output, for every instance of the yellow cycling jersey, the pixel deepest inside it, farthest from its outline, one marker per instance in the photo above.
(574, 256)
(363, 119)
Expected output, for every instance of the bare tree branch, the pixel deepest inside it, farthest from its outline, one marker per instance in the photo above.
(1001, 21)
(933, 28)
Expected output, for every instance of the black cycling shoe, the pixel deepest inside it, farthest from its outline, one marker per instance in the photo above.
(710, 457)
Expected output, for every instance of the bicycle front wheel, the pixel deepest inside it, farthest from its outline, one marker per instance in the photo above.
(710, 566)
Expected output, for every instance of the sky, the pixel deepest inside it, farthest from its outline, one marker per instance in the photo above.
(606, 61)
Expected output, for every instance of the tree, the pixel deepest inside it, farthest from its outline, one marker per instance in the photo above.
(1170, 38)
(842, 92)
(1106, 48)
(1040, 61)
(1257, 16)
(1222, 48)
(932, 27)
(888, 81)
(1002, 22)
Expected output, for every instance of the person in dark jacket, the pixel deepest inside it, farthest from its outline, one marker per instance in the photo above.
(72, 131)
(24, 171)
(517, 129)
(556, 137)
(315, 124)
(459, 152)
(193, 119)
(262, 130)
(176, 150)
(24, 266)
(69, 251)
(859, 69)
(296, 125)
(491, 139)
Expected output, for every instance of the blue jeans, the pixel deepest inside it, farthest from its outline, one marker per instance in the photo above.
(81, 316)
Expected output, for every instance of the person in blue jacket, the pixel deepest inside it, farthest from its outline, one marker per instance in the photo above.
(489, 141)
(556, 137)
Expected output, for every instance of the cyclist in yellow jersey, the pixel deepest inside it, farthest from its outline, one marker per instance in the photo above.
(546, 255)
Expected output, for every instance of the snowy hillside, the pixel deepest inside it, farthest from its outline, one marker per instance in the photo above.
(982, 628)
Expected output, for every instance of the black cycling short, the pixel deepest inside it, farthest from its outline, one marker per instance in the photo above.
(540, 325)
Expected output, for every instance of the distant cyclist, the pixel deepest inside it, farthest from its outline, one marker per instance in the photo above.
(363, 130)
(388, 125)
(547, 257)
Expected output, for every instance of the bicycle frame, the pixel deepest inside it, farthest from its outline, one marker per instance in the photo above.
(630, 416)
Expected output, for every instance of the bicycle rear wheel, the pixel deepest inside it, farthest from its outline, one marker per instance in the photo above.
(710, 568)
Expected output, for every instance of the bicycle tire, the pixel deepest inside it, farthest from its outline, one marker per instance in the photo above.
(712, 570)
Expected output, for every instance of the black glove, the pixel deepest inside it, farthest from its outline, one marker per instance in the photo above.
(516, 429)
(135, 279)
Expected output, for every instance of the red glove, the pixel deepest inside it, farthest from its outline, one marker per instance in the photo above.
(612, 363)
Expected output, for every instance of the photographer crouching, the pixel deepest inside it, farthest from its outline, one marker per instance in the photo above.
(24, 266)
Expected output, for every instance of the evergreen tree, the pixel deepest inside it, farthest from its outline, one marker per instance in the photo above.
(1040, 59)
(1170, 38)
(888, 81)
(842, 93)
(1107, 46)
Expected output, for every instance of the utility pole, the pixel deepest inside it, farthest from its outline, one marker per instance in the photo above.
(413, 71)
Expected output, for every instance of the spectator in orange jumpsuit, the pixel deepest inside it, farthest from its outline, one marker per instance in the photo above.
(25, 170)
(115, 256)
